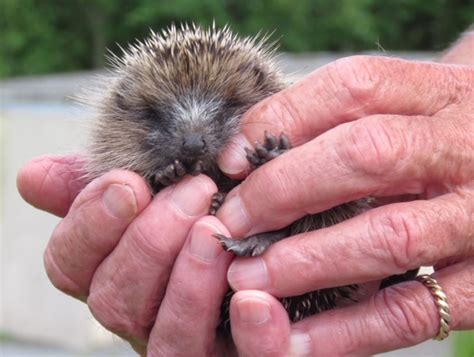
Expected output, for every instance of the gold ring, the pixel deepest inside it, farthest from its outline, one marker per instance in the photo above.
(441, 301)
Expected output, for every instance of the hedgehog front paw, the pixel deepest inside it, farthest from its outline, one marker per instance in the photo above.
(271, 148)
(171, 174)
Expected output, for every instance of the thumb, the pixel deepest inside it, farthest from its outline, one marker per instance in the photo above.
(51, 183)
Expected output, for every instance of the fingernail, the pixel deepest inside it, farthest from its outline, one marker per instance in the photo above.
(120, 201)
(248, 273)
(234, 216)
(300, 344)
(202, 245)
(234, 159)
(253, 310)
(191, 196)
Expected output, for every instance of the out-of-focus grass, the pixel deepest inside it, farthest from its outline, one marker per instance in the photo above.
(463, 344)
(5, 337)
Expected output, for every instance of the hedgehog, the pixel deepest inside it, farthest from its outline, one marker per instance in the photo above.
(171, 105)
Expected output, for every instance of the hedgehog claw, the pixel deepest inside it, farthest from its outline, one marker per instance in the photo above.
(161, 179)
(270, 149)
(197, 168)
(179, 168)
(271, 142)
(232, 245)
(216, 203)
(170, 174)
(252, 246)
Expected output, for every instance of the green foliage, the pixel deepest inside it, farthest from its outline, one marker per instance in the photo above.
(41, 36)
(463, 344)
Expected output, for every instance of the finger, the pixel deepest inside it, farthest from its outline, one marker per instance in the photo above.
(399, 316)
(381, 242)
(461, 51)
(374, 156)
(345, 90)
(189, 314)
(260, 325)
(51, 183)
(92, 228)
(127, 288)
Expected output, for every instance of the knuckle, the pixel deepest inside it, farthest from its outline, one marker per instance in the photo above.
(150, 247)
(395, 235)
(183, 299)
(403, 315)
(56, 272)
(173, 330)
(294, 264)
(359, 78)
(84, 229)
(80, 229)
(83, 232)
(465, 193)
(350, 338)
(157, 348)
(279, 182)
(284, 110)
(456, 80)
(306, 256)
(111, 314)
(371, 146)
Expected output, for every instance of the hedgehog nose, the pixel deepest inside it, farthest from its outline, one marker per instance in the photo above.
(194, 144)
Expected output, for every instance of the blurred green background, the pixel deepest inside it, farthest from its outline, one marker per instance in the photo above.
(43, 36)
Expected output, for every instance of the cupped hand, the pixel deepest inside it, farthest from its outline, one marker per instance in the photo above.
(149, 269)
(363, 126)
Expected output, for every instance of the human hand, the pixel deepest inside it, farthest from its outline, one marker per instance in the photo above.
(149, 269)
(363, 126)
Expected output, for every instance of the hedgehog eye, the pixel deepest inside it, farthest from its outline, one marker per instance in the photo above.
(233, 104)
(232, 107)
(149, 113)
(157, 117)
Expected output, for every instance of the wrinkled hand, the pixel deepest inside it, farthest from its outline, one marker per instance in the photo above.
(149, 270)
(364, 126)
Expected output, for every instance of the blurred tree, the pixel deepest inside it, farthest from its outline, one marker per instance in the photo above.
(41, 36)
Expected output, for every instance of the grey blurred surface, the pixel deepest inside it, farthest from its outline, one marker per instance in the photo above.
(31, 350)
(36, 118)
(120, 349)
(62, 86)
(32, 310)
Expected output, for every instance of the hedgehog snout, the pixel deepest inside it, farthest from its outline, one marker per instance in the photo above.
(194, 144)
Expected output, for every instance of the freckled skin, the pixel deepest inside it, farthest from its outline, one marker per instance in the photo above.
(170, 106)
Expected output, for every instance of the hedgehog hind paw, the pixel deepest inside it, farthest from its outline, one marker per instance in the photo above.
(252, 246)
(240, 247)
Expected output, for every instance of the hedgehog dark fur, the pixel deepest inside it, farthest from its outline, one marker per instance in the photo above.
(170, 106)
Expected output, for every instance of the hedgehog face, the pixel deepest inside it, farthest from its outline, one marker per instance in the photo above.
(189, 129)
(179, 95)
(158, 131)
(193, 128)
